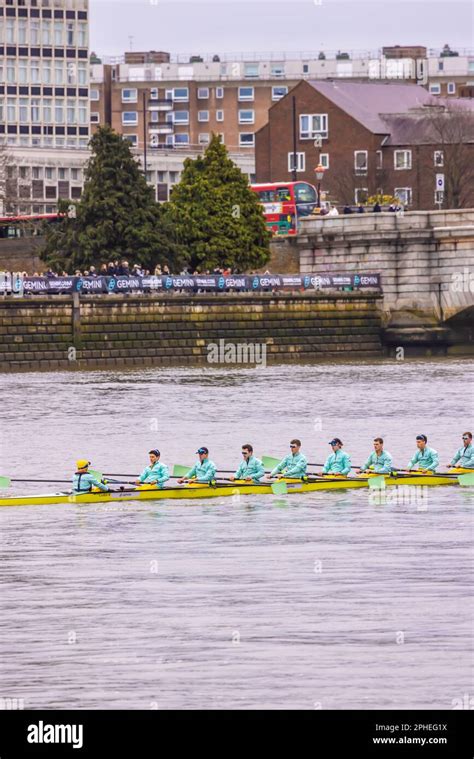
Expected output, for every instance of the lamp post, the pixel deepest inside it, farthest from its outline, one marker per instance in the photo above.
(319, 171)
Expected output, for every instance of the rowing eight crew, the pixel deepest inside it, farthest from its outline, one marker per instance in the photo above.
(294, 465)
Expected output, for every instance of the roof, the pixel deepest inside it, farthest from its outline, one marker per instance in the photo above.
(366, 101)
(422, 126)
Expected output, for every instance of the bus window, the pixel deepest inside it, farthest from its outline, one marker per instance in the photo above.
(266, 196)
(283, 193)
(305, 193)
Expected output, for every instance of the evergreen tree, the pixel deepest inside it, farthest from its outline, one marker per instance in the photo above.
(117, 216)
(216, 216)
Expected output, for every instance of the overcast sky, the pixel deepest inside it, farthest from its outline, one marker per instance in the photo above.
(220, 26)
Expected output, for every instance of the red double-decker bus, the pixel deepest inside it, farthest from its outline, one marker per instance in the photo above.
(284, 203)
(26, 226)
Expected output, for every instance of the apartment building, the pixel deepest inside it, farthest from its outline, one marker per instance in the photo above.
(369, 137)
(44, 102)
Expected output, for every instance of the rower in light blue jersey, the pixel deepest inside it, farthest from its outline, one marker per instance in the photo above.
(293, 465)
(155, 474)
(338, 462)
(425, 459)
(250, 468)
(85, 482)
(203, 470)
(464, 457)
(379, 461)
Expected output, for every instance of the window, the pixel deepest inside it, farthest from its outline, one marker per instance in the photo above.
(246, 139)
(440, 65)
(47, 72)
(279, 92)
(451, 88)
(203, 93)
(132, 138)
(435, 89)
(203, 138)
(161, 192)
(361, 194)
(219, 93)
(21, 32)
(324, 160)
(181, 139)
(278, 69)
(35, 111)
(181, 94)
(58, 73)
(404, 195)
(203, 115)
(129, 96)
(37, 172)
(305, 68)
(438, 157)
(82, 35)
(47, 111)
(22, 72)
(71, 112)
(94, 95)
(129, 118)
(174, 176)
(251, 71)
(58, 33)
(49, 172)
(154, 116)
(63, 173)
(70, 34)
(312, 125)
(181, 117)
(246, 117)
(46, 32)
(59, 112)
(219, 115)
(300, 161)
(246, 93)
(154, 93)
(95, 118)
(378, 159)
(361, 158)
(402, 159)
(24, 110)
(75, 176)
(35, 72)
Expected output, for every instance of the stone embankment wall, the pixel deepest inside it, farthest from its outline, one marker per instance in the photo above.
(61, 332)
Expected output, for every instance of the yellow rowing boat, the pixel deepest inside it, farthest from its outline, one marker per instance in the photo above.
(199, 491)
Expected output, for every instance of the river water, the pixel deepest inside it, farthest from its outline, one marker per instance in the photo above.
(316, 601)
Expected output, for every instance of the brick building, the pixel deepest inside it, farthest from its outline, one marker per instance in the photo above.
(371, 138)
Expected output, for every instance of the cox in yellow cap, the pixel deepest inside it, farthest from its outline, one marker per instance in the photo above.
(82, 463)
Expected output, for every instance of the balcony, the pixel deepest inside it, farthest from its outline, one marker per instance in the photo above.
(160, 105)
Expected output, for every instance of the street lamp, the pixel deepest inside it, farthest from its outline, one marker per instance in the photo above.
(319, 171)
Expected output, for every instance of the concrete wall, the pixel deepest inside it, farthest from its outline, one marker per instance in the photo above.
(419, 254)
(426, 260)
(108, 331)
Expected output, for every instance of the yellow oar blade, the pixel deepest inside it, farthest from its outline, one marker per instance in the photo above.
(466, 480)
(279, 488)
(97, 475)
(5, 482)
(377, 483)
(180, 471)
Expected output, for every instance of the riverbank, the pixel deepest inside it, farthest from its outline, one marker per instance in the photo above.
(94, 332)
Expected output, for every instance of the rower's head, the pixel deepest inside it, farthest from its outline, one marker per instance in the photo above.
(378, 444)
(467, 438)
(154, 456)
(82, 465)
(421, 441)
(336, 444)
(295, 446)
(203, 453)
(247, 451)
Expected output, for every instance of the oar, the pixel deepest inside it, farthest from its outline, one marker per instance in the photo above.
(466, 480)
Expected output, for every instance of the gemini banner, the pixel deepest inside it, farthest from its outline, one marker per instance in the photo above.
(16, 284)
